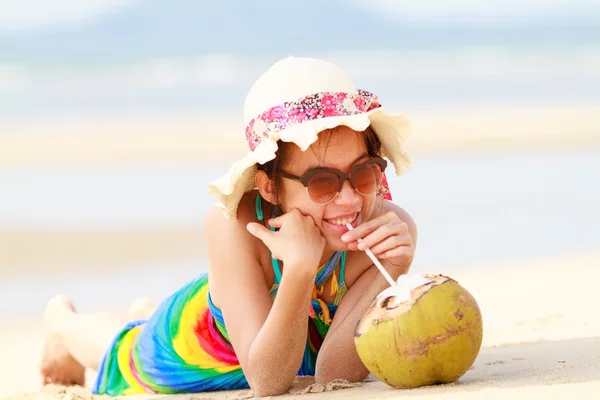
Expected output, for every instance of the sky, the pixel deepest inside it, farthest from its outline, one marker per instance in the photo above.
(484, 14)
(26, 16)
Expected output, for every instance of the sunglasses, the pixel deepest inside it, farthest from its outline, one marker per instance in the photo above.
(324, 184)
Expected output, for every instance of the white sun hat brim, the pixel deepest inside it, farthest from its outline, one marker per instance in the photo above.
(393, 130)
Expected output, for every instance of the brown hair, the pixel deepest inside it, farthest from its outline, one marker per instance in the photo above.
(274, 168)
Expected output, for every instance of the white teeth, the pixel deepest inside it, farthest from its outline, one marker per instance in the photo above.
(342, 221)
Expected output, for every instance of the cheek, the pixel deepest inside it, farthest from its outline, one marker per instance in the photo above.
(291, 195)
(295, 197)
(369, 205)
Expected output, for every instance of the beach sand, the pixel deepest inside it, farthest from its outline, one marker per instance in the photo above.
(39, 252)
(541, 341)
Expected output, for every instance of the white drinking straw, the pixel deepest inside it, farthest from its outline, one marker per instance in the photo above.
(377, 263)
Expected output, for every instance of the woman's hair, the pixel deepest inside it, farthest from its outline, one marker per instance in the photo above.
(274, 168)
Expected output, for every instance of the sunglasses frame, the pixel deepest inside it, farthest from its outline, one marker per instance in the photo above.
(305, 178)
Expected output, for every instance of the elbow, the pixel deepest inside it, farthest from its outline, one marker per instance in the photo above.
(262, 391)
(352, 376)
(270, 377)
(268, 381)
(330, 371)
(269, 387)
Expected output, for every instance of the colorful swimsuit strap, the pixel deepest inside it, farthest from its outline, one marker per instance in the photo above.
(324, 273)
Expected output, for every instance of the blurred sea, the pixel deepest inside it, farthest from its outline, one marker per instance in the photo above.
(461, 76)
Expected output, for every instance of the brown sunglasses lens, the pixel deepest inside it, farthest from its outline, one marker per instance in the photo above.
(366, 179)
(323, 187)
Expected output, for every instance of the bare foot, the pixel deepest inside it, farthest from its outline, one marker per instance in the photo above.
(58, 366)
(141, 308)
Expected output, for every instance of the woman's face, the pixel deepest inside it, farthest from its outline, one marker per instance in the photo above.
(341, 149)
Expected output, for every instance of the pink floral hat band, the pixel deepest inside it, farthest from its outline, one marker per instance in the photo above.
(309, 108)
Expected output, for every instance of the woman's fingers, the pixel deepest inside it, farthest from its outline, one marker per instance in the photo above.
(260, 232)
(376, 237)
(387, 244)
(402, 255)
(368, 227)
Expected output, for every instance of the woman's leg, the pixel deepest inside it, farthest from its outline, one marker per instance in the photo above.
(76, 341)
(141, 308)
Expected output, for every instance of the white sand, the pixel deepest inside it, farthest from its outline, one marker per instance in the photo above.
(31, 252)
(542, 340)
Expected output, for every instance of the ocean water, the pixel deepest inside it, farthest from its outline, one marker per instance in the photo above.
(451, 73)
(455, 77)
(471, 211)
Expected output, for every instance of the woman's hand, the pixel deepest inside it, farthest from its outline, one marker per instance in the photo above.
(297, 242)
(387, 236)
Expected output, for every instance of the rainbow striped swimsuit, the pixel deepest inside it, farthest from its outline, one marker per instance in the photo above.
(184, 347)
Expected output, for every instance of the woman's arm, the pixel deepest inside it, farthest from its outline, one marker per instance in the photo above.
(338, 358)
(268, 337)
(275, 354)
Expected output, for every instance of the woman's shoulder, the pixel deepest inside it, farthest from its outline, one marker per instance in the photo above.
(236, 257)
(246, 213)
(224, 234)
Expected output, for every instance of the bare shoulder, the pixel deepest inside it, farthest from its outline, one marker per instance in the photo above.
(389, 206)
(232, 250)
(218, 227)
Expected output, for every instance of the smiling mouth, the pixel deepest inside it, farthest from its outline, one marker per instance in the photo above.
(342, 221)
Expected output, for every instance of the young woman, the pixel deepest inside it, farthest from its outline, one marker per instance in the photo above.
(288, 281)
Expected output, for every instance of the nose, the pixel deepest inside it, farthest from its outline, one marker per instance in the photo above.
(347, 195)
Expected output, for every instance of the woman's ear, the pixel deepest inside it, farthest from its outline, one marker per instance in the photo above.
(265, 186)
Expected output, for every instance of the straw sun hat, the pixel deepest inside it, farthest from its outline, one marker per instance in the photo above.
(293, 101)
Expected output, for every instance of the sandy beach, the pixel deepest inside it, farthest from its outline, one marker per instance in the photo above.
(541, 341)
(23, 251)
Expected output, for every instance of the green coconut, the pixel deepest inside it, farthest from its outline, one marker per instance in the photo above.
(426, 330)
